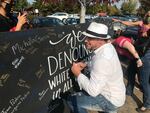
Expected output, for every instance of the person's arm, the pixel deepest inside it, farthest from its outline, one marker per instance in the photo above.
(13, 29)
(132, 50)
(128, 23)
(7, 1)
(98, 77)
(21, 21)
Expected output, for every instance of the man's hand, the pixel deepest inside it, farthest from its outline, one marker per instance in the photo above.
(77, 68)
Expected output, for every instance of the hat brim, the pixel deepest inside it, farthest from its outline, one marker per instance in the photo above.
(92, 36)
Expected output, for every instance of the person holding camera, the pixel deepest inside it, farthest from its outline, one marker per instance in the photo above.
(6, 22)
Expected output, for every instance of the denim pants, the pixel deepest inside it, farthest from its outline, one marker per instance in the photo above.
(145, 79)
(81, 102)
(131, 73)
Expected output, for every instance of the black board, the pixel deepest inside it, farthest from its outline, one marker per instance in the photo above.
(35, 67)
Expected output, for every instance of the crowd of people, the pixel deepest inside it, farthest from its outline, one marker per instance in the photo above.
(104, 89)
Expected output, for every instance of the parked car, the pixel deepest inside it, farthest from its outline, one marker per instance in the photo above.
(46, 22)
(123, 18)
(132, 17)
(86, 20)
(126, 17)
(60, 15)
(70, 21)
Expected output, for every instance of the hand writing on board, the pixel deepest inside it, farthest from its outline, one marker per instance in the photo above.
(77, 68)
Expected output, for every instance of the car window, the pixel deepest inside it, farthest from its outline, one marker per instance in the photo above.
(60, 14)
(59, 22)
(36, 21)
(71, 21)
(48, 21)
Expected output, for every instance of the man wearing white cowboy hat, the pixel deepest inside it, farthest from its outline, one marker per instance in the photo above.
(105, 89)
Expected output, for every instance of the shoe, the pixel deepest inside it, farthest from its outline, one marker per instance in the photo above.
(143, 110)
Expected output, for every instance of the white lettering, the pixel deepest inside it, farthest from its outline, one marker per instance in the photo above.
(54, 65)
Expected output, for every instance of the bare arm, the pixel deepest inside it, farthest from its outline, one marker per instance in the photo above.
(21, 21)
(128, 23)
(132, 50)
(7, 1)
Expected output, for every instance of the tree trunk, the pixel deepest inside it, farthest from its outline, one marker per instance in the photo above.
(83, 11)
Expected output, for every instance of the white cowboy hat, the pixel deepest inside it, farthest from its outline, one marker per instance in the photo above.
(97, 30)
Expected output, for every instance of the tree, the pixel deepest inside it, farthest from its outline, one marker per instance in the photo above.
(113, 10)
(38, 4)
(144, 7)
(72, 6)
(83, 10)
(84, 3)
(129, 7)
(20, 5)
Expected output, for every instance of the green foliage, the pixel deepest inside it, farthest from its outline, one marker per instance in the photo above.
(50, 7)
(113, 10)
(21, 5)
(145, 6)
(66, 6)
(104, 7)
(129, 7)
(38, 4)
(93, 9)
(97, 8)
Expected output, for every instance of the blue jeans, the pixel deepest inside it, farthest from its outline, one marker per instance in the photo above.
(131, 73)
(145, 79)
(82, 101)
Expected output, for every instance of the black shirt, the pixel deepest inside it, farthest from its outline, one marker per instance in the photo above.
(6, 24)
